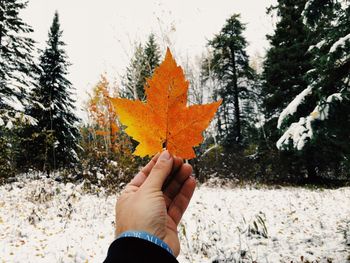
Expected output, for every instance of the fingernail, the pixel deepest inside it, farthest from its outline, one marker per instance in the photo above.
(165, 155)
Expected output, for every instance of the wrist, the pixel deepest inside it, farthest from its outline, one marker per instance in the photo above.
(147, 236)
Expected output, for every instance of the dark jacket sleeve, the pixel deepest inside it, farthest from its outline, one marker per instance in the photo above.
(137, 250)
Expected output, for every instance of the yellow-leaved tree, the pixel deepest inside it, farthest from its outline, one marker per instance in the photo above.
(107, 151)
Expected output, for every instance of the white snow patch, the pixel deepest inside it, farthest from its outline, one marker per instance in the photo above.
(113, 163)
(46, 221)
(299, 222)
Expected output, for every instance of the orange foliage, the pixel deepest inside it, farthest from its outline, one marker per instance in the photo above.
(165, 119)
(103, 115)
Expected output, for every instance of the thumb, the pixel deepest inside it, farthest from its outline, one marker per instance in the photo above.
(160, 171)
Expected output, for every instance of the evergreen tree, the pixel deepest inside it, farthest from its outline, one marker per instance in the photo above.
(142, 65)
(134, 80)
(16, 60)
(152, 56)
(324, 129)
(54, 138)
(17, 70)
(287, 61)
(230, 65)
(285, 67)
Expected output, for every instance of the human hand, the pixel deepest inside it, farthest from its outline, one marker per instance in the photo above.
(144, 206)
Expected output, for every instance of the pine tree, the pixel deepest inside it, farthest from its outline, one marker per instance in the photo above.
(285, 67)
(287, 60)
(54, 139)
(324, 129)
(152, 56)
(230, 65)
(16, 59)
(134, 80)
(17, 71)
(142, 65)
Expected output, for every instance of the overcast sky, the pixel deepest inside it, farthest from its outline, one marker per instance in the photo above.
(100, 35)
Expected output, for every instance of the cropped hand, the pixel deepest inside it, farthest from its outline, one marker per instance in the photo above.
(156, 198)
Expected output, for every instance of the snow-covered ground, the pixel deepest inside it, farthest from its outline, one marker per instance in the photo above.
(46, 221)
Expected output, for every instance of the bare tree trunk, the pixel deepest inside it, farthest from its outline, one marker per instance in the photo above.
(1, 19)
(136, 97)
(236, 99)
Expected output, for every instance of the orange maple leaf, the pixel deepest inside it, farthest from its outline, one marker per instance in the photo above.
(165, 119)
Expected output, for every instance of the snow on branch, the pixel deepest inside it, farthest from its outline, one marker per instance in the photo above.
(321, 112)
(293, 106)
(13, 103)
(303, 14)
(9, 118)
(41, 106)
(318, 45)
(339, 43)
(299, 132)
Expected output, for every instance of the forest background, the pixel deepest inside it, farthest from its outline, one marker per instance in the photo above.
(284, 119)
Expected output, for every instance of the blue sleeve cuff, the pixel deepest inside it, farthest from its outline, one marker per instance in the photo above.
(147, 236)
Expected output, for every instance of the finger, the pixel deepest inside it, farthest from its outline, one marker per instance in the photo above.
(148, 168)
(160, 171)
(175, 185)
(141, 176)
(178, 162)
(178, 206)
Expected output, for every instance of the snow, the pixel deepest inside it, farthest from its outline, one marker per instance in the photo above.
(293, 106)
(47, 221)
(321, 112)
(339, 43)
(41, 106)
(30, 120)
(318, 45)
(44, 221)
(74, 154)
(13, 103)
(298, 133)
(299, 223)
(301, 131)
(9, 125)
(114, 163)
(306, 7)
(18, 116)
